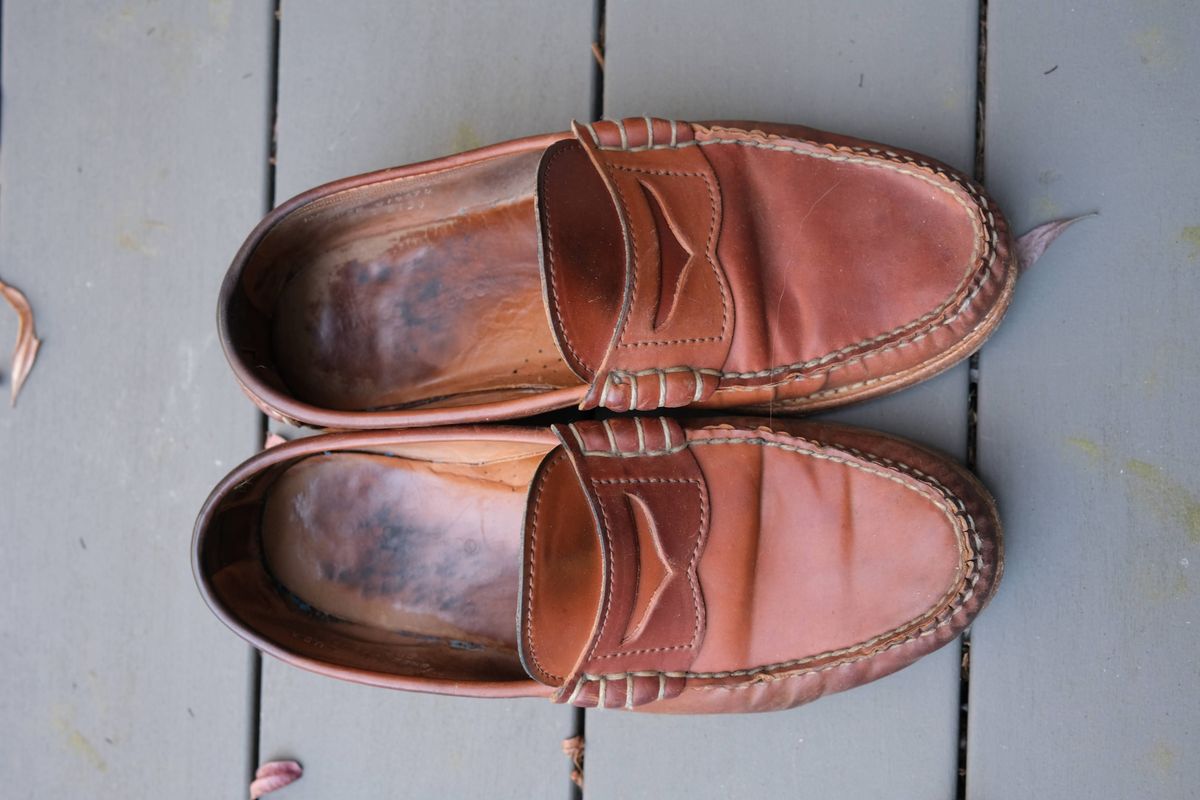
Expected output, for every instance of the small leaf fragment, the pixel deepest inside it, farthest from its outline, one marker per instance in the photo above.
(27, 345)
(274, 775)
(573, 749)
(1032, 244)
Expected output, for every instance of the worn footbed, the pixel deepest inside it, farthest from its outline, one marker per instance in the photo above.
(421, 291)
(405, 561)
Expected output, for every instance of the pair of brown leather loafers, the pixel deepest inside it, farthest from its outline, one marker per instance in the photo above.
(708, 564)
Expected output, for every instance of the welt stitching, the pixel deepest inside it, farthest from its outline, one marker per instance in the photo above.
(566, 336)
(611, 481)
(802, 375)
(978, 283)
(966, 593)
(690, 568)
(537, 507)
(986, 236)
(708, 255)
(825, 392)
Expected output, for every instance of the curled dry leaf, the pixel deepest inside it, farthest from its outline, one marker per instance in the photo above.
(273, 440)
(274, 775)
(1033, 243)
(27, 342)
(573, 749)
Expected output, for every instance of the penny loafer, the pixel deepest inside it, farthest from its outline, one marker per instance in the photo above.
(638, 264)
(642, 563)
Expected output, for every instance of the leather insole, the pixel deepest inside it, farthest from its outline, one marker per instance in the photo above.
(437, 303)
(420, 547)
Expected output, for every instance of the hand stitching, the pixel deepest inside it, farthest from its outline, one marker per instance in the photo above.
(529, 633)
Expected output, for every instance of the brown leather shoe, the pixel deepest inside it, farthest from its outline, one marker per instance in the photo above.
(637, 264)
(635, 563)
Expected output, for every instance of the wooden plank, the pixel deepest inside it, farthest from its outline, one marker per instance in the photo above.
(361, 741)
(905, 76)
(134, 160)
(1085, 669)
(363, 86)
(370, 84)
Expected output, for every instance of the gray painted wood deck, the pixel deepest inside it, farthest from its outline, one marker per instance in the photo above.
(134, 143)
(133, 161)
(1085, 672)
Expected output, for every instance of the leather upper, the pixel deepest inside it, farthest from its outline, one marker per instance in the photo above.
(659, 565)
(634, 264)
(690, 264)
(739, 567)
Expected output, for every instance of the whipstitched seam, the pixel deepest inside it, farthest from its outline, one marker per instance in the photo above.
(616, 377)
(980, 279)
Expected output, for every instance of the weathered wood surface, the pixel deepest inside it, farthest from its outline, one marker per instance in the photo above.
(1085, 669)
(368, 85)
(133, 160)
(905, 76)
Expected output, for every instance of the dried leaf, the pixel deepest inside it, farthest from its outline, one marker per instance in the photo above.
(573, 749)
(274, 775)
(25, 352)
(273, 440)
(1031, 246)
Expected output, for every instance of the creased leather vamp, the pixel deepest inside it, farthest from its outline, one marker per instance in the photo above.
(738, 567)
